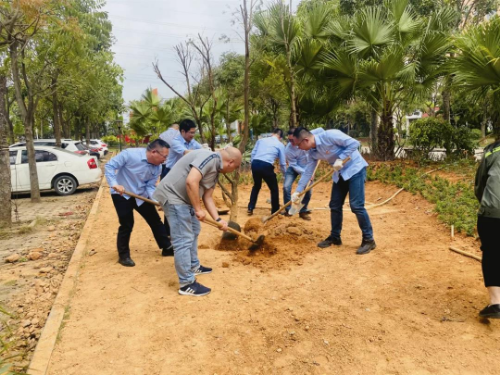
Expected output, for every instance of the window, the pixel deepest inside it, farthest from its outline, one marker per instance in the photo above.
(80, 146)
(12, 157)
(41, 156)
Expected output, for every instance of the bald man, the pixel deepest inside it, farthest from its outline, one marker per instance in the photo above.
(193, 177)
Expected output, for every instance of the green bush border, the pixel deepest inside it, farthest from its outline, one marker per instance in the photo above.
(455, 202)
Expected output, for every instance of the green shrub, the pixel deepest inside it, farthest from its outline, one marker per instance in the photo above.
(429, 133)
(110, 140)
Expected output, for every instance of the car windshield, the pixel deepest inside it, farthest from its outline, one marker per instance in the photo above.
(80, 146)
(68, 152)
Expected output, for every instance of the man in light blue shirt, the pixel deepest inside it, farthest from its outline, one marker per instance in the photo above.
(137, 170)
(168, 136)
(264, 153)
(335, 146)
(182, 143)
(297, 161)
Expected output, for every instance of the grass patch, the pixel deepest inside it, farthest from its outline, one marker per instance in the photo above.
(25, 229)
(455, 203)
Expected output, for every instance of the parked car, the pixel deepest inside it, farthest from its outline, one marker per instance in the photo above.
(67, 144)
(100, 145)
(57, 169)
(92, 151)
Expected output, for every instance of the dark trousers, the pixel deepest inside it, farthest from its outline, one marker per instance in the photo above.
(487, 228)
(125, 210)
(355, 186)
(264, 171)
(164, 172)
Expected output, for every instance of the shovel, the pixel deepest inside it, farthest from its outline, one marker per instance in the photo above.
(297, 207)
(234, 228)
(256, 244)
(267, 218)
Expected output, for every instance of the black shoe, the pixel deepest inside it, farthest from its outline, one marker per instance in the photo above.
(329, 242)
(490, 311)
(305, 216)
(168, 251)
(366, 247)
(126, 261)
(250, 212)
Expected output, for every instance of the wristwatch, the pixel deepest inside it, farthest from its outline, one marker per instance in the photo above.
(219, 219)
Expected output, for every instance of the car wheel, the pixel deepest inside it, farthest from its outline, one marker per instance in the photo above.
(64, 185)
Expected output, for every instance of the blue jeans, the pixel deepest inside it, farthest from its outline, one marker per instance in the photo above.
(355, 186)
(185, 228)
(264, 171)
(290, 177)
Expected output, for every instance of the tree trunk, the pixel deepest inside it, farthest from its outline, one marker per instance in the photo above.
(10, 127)
(386, 134)
(373, 132)
(64, 124)
(87, 132)
(56, 118)
(28, 116)
(446, 94)
(5, 186)
(246, 81)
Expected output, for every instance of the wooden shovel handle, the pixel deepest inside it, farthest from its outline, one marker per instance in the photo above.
(219, 225)
(141, 198)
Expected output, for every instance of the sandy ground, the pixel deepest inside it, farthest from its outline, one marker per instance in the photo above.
(408, 307)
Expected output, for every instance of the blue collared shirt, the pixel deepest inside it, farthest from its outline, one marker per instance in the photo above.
(296, 158)
(268, 150)
(177, 148)
(130, 168)
(169, 135)
(330, 146)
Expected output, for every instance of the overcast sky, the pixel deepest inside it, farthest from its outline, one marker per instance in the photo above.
(147, 30)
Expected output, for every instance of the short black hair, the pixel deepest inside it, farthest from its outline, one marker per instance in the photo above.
(279, 132)
(290, 131)
(301, 133)
(186, 125)
(158, 143)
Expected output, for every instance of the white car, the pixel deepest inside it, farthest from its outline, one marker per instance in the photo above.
(57, 169)
(100, 146)
(67, 144)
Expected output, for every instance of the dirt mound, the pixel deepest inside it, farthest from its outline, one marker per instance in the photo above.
(287, 239)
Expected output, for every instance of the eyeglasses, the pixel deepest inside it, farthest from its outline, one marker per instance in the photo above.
(159, 153)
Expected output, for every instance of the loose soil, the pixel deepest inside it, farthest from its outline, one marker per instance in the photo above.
(408, 307)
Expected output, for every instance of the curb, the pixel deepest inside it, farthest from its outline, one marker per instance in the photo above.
(43, 352)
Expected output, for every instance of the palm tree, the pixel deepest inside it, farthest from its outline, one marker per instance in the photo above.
(478, 64)
(387, 59)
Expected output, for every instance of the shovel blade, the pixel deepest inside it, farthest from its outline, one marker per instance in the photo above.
(231, 236)
(295, 208)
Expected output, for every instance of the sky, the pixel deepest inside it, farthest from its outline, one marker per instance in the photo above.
(146, 31)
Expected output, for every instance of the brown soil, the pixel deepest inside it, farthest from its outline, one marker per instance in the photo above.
(408, 307)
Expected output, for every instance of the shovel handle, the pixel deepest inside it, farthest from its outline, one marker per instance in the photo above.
(305, 190)
(234, 231)
(141, 198)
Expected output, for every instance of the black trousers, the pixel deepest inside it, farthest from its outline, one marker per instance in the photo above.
(264, 171)
(487, 228)
(125, 210)
(164, 172)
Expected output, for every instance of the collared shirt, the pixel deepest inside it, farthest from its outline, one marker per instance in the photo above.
(296, 158)
(330, 146)
(172, 188)
(169, 135)
(177, 148)
(268, 150)
(130, 168)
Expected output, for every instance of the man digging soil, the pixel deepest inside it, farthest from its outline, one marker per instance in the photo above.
(193, 177)
(335, 146)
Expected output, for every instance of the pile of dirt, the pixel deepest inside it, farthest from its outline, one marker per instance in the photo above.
(287, 239)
